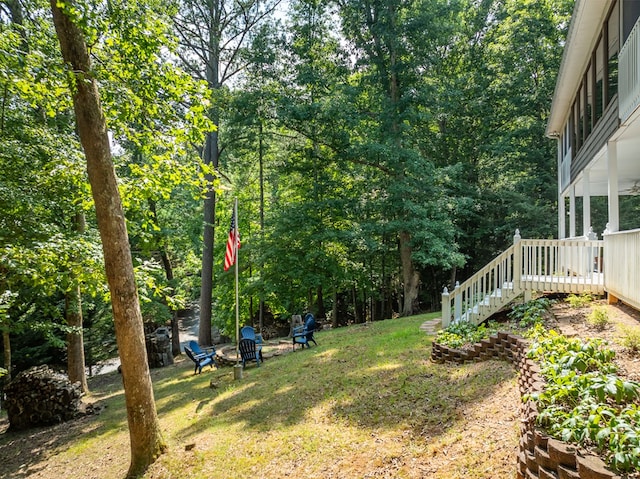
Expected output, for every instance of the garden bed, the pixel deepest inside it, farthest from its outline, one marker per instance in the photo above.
(618, 326)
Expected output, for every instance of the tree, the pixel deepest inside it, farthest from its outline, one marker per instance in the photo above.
(145, 435)
(34, 125)
(212, 37)
(396, 45)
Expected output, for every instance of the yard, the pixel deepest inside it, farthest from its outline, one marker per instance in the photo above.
(366, 403)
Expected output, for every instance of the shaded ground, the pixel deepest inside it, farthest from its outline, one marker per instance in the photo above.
(486, 440)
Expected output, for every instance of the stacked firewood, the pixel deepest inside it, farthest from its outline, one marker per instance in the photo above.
(40, 396)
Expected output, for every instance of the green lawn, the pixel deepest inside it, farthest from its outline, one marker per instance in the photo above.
(366, 402)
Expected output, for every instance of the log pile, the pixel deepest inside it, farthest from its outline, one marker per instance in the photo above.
(40, 396)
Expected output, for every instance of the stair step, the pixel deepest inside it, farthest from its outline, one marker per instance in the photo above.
(431, 326)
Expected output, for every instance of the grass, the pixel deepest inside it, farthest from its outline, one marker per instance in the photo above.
(366, 402)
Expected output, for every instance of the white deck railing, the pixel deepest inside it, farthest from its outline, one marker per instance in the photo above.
(563, 266)
(567, 266)
(629, 74)
(622, 261)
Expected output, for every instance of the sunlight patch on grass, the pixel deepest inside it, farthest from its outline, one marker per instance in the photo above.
(236, 389)
(247, 406)
(384, 367)
(327, 356)
(286, 389)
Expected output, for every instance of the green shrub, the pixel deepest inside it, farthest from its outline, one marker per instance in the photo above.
(449, 339)
(599, 317)
(630, 339)
(460, 333)
(579, 301)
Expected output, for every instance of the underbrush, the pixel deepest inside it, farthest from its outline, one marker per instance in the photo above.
(580, 300)
(630, 339)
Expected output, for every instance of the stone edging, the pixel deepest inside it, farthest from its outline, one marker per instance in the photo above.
(540, 456)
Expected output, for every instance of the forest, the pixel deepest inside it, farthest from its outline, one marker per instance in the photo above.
(379, 152)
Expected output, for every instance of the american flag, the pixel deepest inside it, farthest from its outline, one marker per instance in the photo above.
(233, 243)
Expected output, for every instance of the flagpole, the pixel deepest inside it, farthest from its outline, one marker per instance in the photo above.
(235, 212)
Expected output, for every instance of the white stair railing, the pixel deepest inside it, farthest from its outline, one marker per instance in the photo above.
(571, 266)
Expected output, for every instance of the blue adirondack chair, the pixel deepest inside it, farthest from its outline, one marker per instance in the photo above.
(206, 351)
(200, 360)
(303, 334)
(249, 351)
(249, 333)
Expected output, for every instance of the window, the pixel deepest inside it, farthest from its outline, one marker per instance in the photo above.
(581, 116)
(613, 47)
(577, 121)
(598, 61)
(588, 101)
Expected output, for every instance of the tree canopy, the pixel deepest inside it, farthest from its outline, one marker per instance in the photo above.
(379, 150)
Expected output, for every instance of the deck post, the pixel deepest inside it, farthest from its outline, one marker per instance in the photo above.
(612, 168)
(572, 212)
(457, 303)
(446, 308)
(586, 203)
(517, 262)
(593, 252)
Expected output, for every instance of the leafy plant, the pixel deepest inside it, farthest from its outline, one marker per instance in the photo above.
(530, 313)
(557, 353)
(584, 401)
(579, 301)
(630, 339)
(464, 332)
(599, 317)
(537, 332)
(449, 339)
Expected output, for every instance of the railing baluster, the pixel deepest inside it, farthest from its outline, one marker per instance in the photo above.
(542, 265)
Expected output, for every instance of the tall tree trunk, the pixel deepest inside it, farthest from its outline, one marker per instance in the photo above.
(168, 271)
(410, 277)
(73, 314)
(320, 311)
(75, 343)
(175, 327)
(334, 308)
(206, 284)
(6, 346)
(144, 428)
(211, 157)
(17, 18)
(261, 158)
(356, 310)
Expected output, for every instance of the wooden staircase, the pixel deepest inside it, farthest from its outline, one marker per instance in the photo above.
(569, 266)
